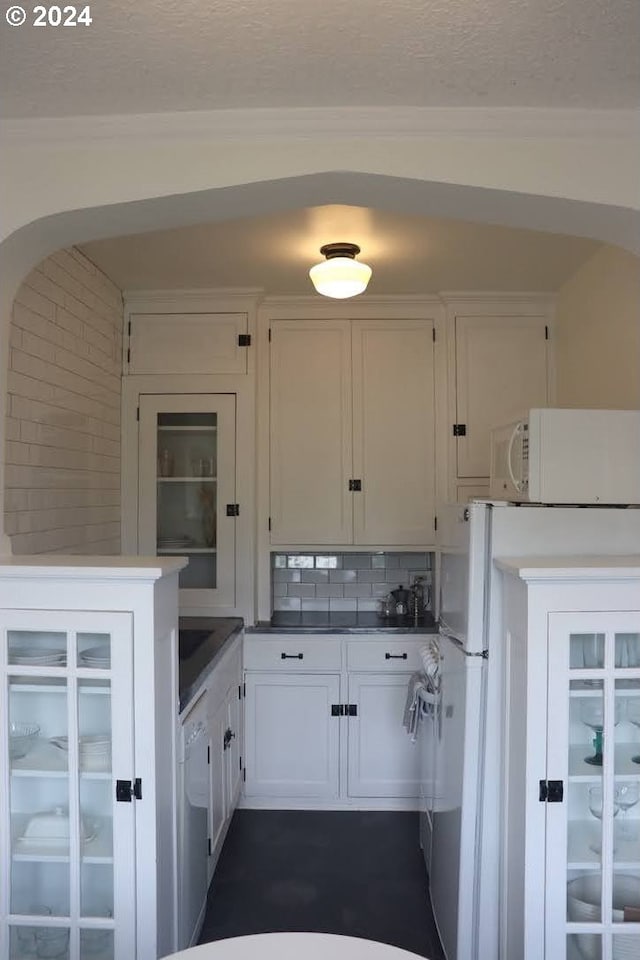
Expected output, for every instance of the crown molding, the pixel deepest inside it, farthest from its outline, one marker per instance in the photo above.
(322, 122)
(192, 293)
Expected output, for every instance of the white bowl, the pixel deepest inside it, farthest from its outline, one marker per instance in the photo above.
(21, 738)
(583, 906)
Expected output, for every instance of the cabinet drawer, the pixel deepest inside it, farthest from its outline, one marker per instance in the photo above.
(392, 654)
(291, 653)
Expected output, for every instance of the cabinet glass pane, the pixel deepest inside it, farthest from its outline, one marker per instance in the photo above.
(39, 941)
(96, 944)
(584, 946)
(187, 493)
(94, 651)
(37, 648)
(586, 651)
(627, 649)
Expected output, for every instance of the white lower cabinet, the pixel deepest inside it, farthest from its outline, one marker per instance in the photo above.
(291, 736)
(571, 854)
(87, 758)
(321, 732)
(382, 758)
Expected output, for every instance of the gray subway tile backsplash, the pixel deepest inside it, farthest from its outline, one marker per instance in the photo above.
(342, 581)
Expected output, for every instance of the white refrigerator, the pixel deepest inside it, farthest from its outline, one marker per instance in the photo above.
(464, 856)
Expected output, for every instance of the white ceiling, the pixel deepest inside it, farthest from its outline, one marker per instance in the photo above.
(173, 55)
(409, 255)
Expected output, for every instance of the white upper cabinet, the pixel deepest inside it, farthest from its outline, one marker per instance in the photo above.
(352, 432)
(501, 370)
(187, 471)
(393, 436)
(186, 343)
(311, 431)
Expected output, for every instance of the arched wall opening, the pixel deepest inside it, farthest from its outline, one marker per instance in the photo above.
(25, 248)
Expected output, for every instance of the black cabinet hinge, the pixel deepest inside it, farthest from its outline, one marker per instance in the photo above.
(546, 332)
(551, 791)
(244, 690)
(269, 523)
(244, 339)
(269, 334)
(337, 709)
(209, 845)
(459, 429)
(240, 762)
(244, 774)
(351, 709)
(233, 509)
(239, 691)
(433, 334)
(126, 791)
(137, 413)
(208, 754)
(435, 523)
(355, 486)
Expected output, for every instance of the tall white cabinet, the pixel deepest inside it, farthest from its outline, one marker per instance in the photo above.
(571, 860)
(87, 764)
(351, 402)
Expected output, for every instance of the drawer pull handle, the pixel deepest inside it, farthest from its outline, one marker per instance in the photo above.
(395, 656)
(291, 656)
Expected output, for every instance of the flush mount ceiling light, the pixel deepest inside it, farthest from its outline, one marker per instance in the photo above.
(340, 275)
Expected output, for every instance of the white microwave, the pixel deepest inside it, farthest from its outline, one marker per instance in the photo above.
(568, 456)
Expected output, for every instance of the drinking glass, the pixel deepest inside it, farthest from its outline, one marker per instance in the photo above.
(595, 806)
(592, 714)
(628, 796)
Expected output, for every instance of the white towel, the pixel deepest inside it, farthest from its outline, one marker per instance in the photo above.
(417, 682)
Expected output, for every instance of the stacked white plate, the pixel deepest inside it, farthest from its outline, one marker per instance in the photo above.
(174, 543)
(94, 750)
(583, 902)
(37, 657)
(96, 656)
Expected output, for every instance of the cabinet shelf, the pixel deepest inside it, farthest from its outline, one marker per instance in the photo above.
(43, 685)
(184, 551)
(186, 428)
(580, 770)
(46, 760)
(186, 479)
(584, 833)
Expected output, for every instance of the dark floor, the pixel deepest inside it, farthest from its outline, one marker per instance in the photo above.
(356, 874)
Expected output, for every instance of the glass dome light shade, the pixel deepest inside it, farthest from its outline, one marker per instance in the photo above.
(340, 277)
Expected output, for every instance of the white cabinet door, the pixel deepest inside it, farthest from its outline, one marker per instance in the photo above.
(232, 745)
(291, 736)
(501, 372)
(393, 439)
(186, 483)
(70, 855)
(383, 762)
(310, 432)
(187, 343)
(217, 762)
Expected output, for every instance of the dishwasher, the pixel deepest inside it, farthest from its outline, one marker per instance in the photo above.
(194, 823)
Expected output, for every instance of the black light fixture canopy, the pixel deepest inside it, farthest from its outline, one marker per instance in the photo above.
(340, 249)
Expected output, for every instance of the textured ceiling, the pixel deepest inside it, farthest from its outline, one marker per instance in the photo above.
(409, 255)
(169, 55)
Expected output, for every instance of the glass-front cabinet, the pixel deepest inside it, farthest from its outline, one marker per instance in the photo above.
(187, 491)
(69, 879)
(594, 661)
(571, 845)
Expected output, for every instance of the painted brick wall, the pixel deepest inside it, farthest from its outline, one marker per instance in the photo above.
(63, 415)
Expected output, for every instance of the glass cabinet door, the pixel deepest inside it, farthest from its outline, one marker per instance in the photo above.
(69, 863)
(593, 904)
(187, 491)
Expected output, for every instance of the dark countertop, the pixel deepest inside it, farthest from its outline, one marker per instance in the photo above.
(202, 642)
(342, 622)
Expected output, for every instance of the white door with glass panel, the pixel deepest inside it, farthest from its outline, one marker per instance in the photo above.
(68, 846)
(593, 749)
(187, 491)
